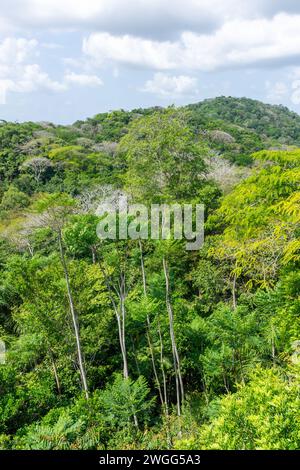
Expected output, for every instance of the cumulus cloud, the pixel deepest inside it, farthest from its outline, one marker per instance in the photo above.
(171, 86)
(16, 50)
(237, 43)
(173, 40)
(83, 79)
(147, 18)
(295, 96)
(276, 92)
(130, 50)
(26, 79)
(19, 74)
(294, 89)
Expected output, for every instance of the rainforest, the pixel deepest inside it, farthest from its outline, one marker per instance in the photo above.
(142, 344)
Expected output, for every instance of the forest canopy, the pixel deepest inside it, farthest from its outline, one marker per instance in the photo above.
(140, 344)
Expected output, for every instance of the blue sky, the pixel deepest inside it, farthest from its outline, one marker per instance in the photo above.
(63, 60)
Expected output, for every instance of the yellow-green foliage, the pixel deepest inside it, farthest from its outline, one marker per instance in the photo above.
(261, 218)
(264, 414)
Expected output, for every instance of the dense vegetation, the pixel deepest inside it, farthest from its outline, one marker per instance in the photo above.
(128, 344)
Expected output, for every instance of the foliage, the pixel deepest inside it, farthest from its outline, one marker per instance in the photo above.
(130, 344)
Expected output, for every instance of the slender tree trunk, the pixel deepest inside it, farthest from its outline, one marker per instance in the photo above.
(120, 317)
(54, 368)
(205, 389)
(241, 369)
(162, 394)
(120, 313)
(225, 382)
(164, 379)
(153, 363)
(148, 329)
(94, 259)
(273, 344)
(176, 359)
(123, 323)
(74, 318)
(30, 249)
(234, 292)
(163, 373)
(143, 268)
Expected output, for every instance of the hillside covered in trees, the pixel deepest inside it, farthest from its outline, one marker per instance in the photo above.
(141, 344)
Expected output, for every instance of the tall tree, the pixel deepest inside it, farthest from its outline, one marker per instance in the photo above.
(53, 212)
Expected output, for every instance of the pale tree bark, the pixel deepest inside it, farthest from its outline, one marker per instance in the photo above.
(162, 390)
(93, 250)
(163, 373)
(148, 329)
(176, 359)
(30, 249)
(120, 313)
(234, 292)
(74, 318)
(273, 344)
(55, 372)
(166, 406)
(122, 295)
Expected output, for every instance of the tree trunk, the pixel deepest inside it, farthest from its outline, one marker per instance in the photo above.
(74, 318)
(153, 363)
(123, 323)
(176, 359)
(120, 316)
(163, 371)
(234, 292)
(120, 313)
(148, 327)
(54, 368)
(30, 249)
(94, 259)
(143, 268)
(273, 345)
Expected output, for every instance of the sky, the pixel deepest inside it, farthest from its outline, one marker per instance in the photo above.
(64, 60)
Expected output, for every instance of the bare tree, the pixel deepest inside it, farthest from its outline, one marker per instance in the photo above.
(224, 173)
(37, 166)
(109, 148)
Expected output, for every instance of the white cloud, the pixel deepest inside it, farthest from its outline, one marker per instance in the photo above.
(83, 79)
(34, 78)
(276, 92)
(5, 85)
(279, 92)
(19, 75)
(237, 43)
(295, 96)
(171, 86)
(15, 51)
(173, 40)
(147, 18)
(26, 79)
(101, 47)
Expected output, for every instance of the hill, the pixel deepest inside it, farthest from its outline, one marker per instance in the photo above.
(274, 123)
